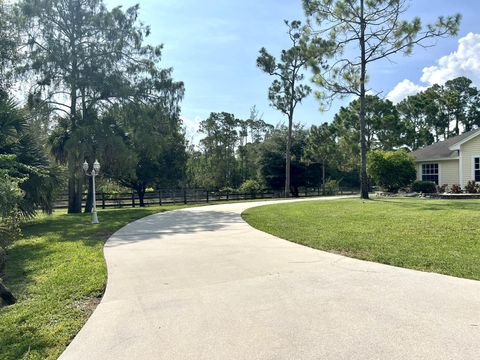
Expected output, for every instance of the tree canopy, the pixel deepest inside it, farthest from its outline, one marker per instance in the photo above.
(85, 58)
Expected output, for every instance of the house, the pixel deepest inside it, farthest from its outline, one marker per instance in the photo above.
(453, 161)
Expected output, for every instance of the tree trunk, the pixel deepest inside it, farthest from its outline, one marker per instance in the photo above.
(71, 188)
(141, 196)
(74, 187)
(295, 191)
(363, 144)
(79, 189)
(323, 177)
(6, 295)
(75, 179)
(89, 204)
(288, 156)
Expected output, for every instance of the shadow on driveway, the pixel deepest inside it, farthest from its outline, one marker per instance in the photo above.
(157, 226)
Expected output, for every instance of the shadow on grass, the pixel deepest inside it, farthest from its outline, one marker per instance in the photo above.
(19, 274)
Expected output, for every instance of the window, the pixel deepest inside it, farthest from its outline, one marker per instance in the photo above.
(430, 172)
(476, 168)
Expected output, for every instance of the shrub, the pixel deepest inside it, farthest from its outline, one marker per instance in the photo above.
(442, 189)
(250, 187)
(10, 196)
(391, 170)
(472, 187)
(425, 187)
(456, 189)
(332, 187)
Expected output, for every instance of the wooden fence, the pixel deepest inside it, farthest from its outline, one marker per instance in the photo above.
(188, 196)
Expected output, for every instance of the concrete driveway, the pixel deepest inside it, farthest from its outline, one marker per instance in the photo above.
(200, 283)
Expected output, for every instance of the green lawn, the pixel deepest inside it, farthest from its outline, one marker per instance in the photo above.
(432, 235)
(58, 274)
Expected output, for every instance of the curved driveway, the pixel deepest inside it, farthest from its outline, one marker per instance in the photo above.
(200, 283)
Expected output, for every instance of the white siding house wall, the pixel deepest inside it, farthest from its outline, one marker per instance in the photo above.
(448, 171)
(469, 151)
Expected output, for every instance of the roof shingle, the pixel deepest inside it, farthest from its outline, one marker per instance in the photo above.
(441, 149)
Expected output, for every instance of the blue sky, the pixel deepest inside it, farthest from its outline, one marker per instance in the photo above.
(213, 45)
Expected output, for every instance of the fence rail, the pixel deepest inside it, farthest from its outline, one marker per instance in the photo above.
(188, 196)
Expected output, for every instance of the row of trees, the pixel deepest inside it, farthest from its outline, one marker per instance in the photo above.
(435, 114)
(234, 150)
(440, 111)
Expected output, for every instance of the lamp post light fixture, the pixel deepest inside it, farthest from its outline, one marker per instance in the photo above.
(93, 173)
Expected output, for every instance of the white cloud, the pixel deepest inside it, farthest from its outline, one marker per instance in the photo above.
(465, 61)
(404, 89)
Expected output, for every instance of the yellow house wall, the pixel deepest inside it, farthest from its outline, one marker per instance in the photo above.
(448, 171)
(468, 152)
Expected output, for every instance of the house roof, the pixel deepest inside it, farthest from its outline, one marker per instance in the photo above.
(444, 149)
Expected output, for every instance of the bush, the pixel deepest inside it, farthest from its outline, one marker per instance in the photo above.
(456, 189)
(425, 187)
(10, 196)
(391, 170)
(442, 189)
(250, 187)
(332, 187)
(472, 187)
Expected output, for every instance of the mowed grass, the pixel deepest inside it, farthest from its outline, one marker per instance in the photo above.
(430, 235)
(58, 273)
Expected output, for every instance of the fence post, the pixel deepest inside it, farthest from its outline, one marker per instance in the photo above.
(103, 200)
(185, 196)
(160, 197)
(306, 191)
(133, 198)
(207, 195)
(227, 195)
